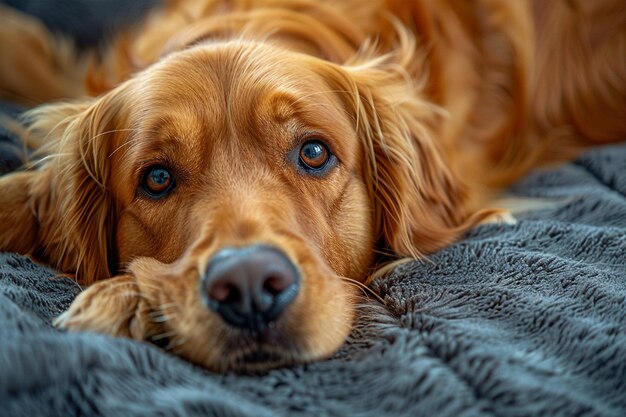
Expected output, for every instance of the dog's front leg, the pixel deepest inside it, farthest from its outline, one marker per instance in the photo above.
(113, 306)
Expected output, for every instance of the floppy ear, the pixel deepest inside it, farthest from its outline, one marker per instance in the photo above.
(66, 201)
(421, 204)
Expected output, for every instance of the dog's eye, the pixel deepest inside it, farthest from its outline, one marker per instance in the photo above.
(157, 181)
(314, 155)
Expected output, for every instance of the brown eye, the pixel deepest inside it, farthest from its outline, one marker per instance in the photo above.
(157, 182)
(314, 155)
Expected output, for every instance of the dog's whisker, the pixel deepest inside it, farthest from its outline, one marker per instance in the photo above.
(175, 344)
(72, 278)
(366, 290)
(120, 130)
(165, 306)
(155, 313)
(164, 318)
(363, 292)
(164, 335)
(126, 144)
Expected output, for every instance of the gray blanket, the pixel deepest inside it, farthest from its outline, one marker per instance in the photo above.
(517, 320)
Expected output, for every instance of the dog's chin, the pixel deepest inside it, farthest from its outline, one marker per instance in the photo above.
(259, 359)
(254, 352)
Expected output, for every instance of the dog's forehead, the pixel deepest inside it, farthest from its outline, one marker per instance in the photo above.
(228, 89)
(218, 76)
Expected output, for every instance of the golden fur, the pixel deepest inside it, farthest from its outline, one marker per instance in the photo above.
(429, 107)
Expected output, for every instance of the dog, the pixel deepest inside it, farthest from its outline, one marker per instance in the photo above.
(226, 175)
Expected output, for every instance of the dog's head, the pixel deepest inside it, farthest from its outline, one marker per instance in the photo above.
(244, 185)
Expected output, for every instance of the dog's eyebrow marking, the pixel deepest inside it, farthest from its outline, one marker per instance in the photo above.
(157, 151)
(283, 105)
(176, 124)
(166, 138)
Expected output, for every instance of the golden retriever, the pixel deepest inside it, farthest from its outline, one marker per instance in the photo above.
(226, 173)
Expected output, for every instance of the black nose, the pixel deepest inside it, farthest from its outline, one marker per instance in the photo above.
(250, 287)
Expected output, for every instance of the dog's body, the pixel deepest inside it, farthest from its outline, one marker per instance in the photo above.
(266, 153)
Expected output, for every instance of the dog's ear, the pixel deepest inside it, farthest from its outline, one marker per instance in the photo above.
(69, 192)
(420, 202)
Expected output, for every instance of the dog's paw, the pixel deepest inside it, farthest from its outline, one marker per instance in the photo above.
(114, 306)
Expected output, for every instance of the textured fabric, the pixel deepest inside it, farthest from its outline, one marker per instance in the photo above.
(517, 320)
(12, 152)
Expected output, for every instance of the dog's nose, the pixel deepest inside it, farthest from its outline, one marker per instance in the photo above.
(250, 287)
